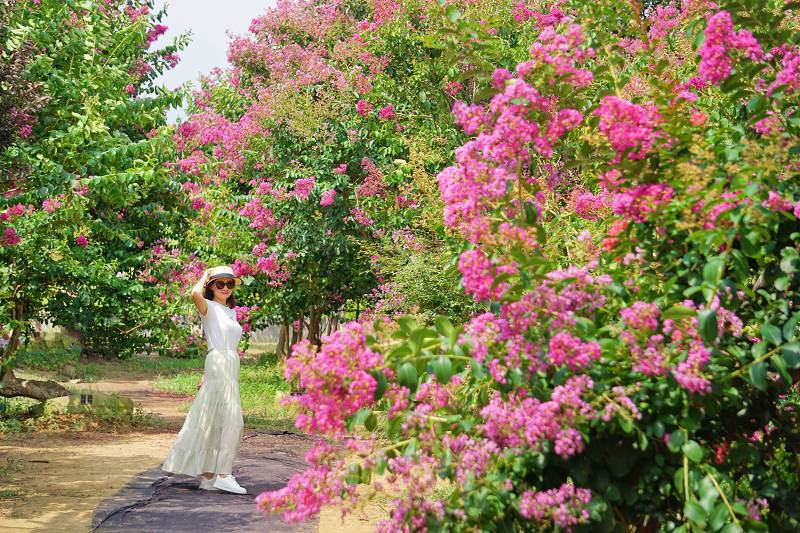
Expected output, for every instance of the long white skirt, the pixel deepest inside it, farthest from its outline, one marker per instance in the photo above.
(210, 436)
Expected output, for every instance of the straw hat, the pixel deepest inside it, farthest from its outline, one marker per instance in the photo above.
(222, 272)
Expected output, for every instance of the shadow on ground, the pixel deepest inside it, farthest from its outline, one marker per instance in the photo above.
(156, 501)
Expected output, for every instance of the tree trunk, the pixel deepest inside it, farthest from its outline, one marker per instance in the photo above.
(10, 385)
(314, 319)
(297, 333)
(282, 349)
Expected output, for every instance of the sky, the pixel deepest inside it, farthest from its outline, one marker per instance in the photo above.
(210, 22)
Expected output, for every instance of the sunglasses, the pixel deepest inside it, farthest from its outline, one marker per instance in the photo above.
(221, 284)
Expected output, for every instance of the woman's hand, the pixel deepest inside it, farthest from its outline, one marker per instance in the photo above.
(200, 383)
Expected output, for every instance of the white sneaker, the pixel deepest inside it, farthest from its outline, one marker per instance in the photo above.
(207, 484)
(228, 484)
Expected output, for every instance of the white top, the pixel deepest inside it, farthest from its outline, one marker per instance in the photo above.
(220, 327)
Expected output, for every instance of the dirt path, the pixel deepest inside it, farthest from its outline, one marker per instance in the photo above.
(58, 479)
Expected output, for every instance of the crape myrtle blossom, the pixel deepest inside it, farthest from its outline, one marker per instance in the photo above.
(518, 124)
(720, 40)
(563, 507)
(336, 379)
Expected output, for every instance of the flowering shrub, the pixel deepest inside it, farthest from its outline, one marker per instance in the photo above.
(639, 364)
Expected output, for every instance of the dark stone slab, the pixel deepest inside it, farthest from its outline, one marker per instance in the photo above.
(157, 501)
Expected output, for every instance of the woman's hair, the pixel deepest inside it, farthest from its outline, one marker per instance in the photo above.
(208, 294)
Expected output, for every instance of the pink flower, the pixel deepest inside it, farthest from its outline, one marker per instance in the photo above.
(303, 187)
(630, 128)
(715, 60)
(478, 274)
(327, 197)
(363, 108)
(452, 88)
(698, 118)
(564, 348)
(81, 241)
(10, 237)
(341, 169)
(563, 507)
(336, 379)
(49, 205)
(386, 113)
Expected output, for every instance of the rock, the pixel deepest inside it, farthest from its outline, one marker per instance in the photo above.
(100, 403)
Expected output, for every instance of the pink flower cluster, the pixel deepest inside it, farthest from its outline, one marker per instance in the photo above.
(524, 421)
(386, 112)
(636, 203)
(327, 197)
(243, 313)
(631, 129)
(478, 274)
(590, 206)
(373, 184)
(789, 75)
(563, 507)
(715, 52)
(679, 339)
(563, 52)
(336, 380)
(522, 13)
(361, 217)
(567, 349)
(303, 187)
(275, 271)
(307, 492)
(261, 216)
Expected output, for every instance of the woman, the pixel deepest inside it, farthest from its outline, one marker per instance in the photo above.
(208, 442)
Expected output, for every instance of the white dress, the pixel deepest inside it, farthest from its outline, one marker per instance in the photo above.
(210, 436)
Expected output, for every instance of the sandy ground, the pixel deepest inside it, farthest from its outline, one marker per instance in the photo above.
(59, 478)
(63, 477)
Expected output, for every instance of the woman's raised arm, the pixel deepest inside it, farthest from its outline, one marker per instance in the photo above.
(197, 294)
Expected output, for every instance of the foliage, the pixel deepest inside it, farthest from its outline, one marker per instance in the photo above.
(94, 192)
(641, 372)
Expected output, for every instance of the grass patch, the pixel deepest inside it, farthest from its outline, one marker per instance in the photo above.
(63, 360)
(261, 385)
(169, 366)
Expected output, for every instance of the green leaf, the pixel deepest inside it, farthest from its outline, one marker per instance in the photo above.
(676, 440)
(780, 365)
(718, 517)
(678, 311)
(707, 320)
(695, 513)
(407, 376)
(713, 270)
(758, 375)
(693, 451)
(732, 527)
(781, 283)
(443, 326)
(381, 384)
(371, 422)
(789, 329)
(771, 333)
(791, 354)
(443, 368)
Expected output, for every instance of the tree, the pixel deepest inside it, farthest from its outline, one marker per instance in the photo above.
(94, 190)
